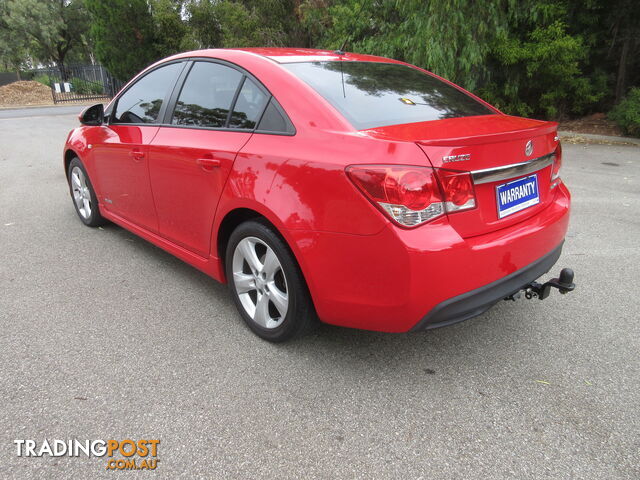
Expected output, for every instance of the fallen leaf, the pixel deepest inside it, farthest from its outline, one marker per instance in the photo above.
(543, 381)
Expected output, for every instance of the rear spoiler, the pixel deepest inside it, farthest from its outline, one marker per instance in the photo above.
(545, 128)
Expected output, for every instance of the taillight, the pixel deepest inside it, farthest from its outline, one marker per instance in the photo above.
(458, 190)
(412, 195)
(555, 167)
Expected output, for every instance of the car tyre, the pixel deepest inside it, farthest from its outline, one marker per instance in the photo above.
(266, 283)
(83, 195)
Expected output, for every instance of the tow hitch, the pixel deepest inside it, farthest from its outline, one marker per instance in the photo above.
(564, 284)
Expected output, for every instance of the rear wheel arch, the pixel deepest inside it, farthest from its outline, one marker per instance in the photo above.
(229, 223)
(235, 218)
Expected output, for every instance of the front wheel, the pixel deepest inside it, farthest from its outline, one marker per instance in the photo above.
(266, 283)
(83, 195)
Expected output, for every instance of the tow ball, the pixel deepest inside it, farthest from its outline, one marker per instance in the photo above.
(564, 284)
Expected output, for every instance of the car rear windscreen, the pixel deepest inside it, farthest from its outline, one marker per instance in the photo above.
(374, 94)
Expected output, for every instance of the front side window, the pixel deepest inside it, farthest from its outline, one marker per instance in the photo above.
(141, 103)
(206, 96)
(374, 94)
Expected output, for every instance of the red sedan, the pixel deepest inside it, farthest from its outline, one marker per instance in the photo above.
(359, 190)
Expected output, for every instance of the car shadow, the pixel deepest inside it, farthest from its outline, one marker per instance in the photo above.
(337, 347)
(159, 256)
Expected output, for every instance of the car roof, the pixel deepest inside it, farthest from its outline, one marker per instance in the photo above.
(292, 55)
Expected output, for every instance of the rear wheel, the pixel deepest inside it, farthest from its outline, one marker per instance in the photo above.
(266, 283)
(83, 195)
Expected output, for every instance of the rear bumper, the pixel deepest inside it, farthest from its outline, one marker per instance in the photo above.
(406, 279)
(478, 301)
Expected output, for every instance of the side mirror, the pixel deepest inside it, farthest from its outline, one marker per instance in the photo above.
(93, 115)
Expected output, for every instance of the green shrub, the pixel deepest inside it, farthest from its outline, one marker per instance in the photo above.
(85, 87)
(627, 113)
(540, 73)
(43, 78)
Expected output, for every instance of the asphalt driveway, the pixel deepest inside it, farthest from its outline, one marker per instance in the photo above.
(103, 335)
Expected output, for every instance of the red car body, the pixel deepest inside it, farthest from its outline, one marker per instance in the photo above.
(362, 269)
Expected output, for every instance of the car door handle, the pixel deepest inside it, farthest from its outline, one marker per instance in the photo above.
(136, 154)
(208, 163)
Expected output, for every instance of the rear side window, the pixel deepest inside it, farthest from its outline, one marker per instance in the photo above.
(273, 120)
(206, 96)
(373, 94)
(141, 103)
(249, 106)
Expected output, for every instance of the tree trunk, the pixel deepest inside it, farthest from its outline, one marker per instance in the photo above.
(64, 75)
(61, 54)
(621, 79)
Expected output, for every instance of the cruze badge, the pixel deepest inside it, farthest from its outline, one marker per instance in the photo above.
(528, 149)
(456, 158)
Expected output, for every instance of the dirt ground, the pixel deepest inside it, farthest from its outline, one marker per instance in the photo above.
(597, 124)
(25, 93)
(30, 93)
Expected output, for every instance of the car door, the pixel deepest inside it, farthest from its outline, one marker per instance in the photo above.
(121, 158)
(215, 112)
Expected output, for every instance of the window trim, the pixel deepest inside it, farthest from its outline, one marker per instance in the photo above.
(175, 92)
(169, 103)
(232, 107)
(182, 79)
(163, 108)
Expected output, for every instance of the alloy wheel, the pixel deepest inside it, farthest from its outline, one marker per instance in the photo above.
(81, 192)
(260, 282)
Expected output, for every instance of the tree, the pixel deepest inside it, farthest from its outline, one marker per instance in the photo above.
(13, 48)
(522, 56)
(539, 72)
(169, 27)
(611, 29)
(449, 37)
(50, 28)
(124, 35)
(625, 21)
(205, 30)
(246, 23)
(241, 26)
(282, 20)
